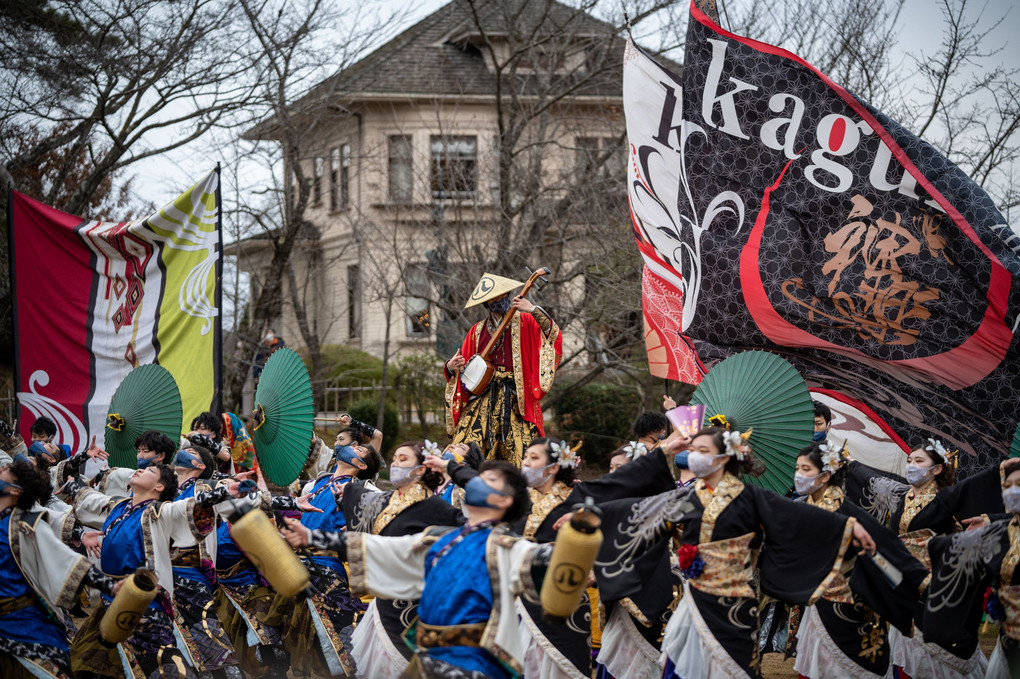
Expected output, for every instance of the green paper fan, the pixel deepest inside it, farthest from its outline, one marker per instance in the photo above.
(284, 415)
(759, 390)
(146, 400)
(1014, 448)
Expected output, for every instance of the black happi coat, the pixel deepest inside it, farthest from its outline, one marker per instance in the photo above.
(362, 508)
(964, 565)
(645, 476)
(858, 627)
(800, 548)
(884, 496)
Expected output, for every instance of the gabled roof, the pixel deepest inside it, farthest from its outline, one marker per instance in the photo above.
(441, 55)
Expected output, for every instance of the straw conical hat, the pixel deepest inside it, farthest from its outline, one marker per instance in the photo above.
(491, 286)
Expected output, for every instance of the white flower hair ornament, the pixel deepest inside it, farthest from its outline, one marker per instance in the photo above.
(936, 446)
(635, 449)
(735, 445)
(948, 456)
(432, 448)
(564, 456)
(832, 458)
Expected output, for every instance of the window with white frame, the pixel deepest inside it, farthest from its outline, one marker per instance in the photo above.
(454, 166)
(401, 169)
(416, 303)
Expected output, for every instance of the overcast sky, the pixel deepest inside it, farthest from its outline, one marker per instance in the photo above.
(160, 180)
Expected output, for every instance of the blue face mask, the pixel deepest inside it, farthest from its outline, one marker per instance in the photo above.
(819, 436)
(4, 486)
(450, 455)
(37, 449)
(144, 462)
(500, 306)
(347, 455)
(680, 459)
(187, 459)
(477, 492)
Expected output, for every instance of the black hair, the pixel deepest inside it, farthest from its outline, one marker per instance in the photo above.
(430, 479)
(34, 482)
(823, 410)
(207, 459)
(813, 452)
(473, 457)
(45, 426)
(373, 463)
(356, 436)
(565, 474)
(209, 421)
(168, 477)
(514, 483)
(157, 442)
(947, 476)
(648, 422)
(749, 466)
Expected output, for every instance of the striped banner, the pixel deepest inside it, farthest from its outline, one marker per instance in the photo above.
(93, 300)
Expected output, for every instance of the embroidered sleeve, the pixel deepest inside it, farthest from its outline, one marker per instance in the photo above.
(101, 581)
(534, 572)
(208, 498)
(206, 442)
(329, 541)
(543, 320)
(284, 503)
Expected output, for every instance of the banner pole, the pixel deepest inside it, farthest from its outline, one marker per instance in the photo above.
(217, 404)
(14, 305)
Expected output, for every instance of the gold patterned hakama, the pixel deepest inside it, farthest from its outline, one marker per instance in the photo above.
(493, 421)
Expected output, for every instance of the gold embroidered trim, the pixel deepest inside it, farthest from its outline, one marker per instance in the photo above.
(488, 642)
(548, 361)
(398, 502)
(729, 567)
(515, 346)
(916, 543)
(69, 592)
(542, 504)
(848, 534)
(914, 502)
(716, 502)
(1009, 597)
(356, 562)
(838, 590)
(1012, 558)
(628, 605)
(831, 500)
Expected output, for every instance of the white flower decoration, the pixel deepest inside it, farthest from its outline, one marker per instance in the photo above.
(634, 449)
(432, 448)
(565, 457)
(936, 446)
(734, 444)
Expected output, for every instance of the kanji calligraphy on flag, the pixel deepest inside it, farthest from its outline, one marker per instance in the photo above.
(774, 209)
(93, 300)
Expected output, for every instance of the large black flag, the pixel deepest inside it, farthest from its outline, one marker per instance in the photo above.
(776, 210)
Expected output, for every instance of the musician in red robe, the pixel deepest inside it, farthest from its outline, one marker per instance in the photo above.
(507, 416)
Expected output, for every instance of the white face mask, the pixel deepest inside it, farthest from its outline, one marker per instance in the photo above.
(805, 485)
(1011, 499)
(917, 476)
(535, 476)
(703, 464)
(401, 476)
